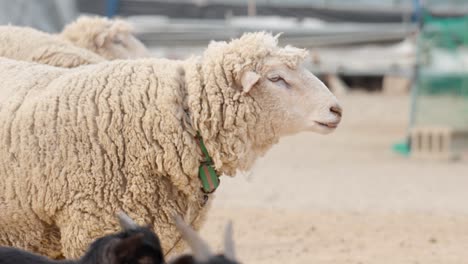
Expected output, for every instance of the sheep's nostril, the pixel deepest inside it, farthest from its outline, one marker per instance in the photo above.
(336, 109)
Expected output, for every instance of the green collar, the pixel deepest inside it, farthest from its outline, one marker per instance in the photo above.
(206, 172)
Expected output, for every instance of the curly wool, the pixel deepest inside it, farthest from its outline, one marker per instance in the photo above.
(99, 34)
(120, 136)
(27, 44)
(95, 140)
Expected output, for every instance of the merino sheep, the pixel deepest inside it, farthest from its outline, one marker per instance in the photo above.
(201, 250)
(78, 144)
(134, 244)
(27, 44)
(112, 39)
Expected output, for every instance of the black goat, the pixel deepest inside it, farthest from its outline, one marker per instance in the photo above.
(133, 245)
(202, 253)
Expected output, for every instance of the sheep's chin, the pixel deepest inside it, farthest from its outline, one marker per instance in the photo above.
(322, 128)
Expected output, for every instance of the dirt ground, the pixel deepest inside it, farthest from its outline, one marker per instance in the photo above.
(346, 197)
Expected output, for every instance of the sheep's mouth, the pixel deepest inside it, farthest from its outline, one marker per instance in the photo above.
(332, 125)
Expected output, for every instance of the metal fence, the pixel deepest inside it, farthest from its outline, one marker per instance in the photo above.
(441, 92)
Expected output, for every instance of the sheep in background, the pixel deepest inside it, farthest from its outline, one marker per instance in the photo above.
(78, 144)
(28, 44)
(134, 244)
(202, 253)
(110, 38)
(88, 40)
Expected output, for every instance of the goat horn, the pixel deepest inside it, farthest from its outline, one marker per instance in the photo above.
(126, 223)
(278, 35)
(229, 249)
(201, 250)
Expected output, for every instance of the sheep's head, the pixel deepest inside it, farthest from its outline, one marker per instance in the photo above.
(112, 39)
(292, 99)
(202, 253)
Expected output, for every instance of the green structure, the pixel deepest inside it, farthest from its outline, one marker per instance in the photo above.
(440, 95)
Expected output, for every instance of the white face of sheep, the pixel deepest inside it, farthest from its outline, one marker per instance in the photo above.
(296, 100)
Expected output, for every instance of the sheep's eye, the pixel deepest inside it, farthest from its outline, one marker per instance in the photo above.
(278, 80)
(117, 41)
(275, 78)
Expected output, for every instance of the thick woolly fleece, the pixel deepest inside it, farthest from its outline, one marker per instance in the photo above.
(110, 38)
(80, 144)
(27, 44)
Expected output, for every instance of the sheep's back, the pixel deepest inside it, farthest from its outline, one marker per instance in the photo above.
(27, 44)
(96, 135)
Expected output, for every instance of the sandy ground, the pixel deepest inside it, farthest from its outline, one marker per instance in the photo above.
(346, 198)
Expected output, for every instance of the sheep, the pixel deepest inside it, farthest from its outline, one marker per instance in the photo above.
(134, 244)
(28, 44)
(88, 40)
(112, 39)
(80, 143)
(201, 251)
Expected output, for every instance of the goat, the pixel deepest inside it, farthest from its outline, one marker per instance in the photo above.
(133, 245)
(202, 253)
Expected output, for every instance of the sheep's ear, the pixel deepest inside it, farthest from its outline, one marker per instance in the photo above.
(126, 223)
(127, 247)
(108, 35)
(248, 80)
(101, 38)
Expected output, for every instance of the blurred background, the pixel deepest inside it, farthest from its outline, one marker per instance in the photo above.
(391, 184)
